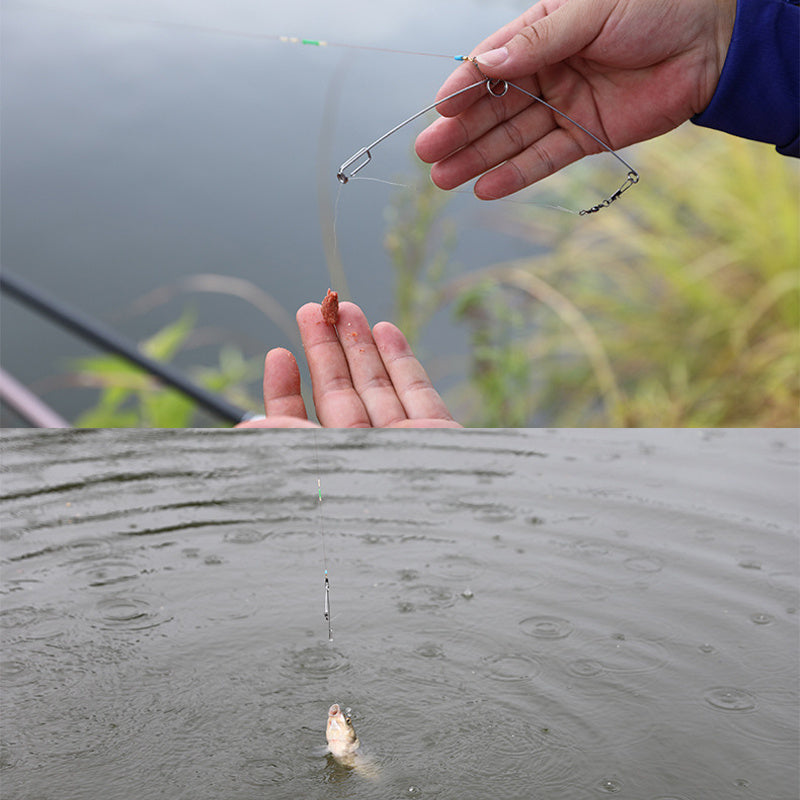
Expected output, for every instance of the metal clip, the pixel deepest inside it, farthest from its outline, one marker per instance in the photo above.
(342, 175)
(633, 178)
(326, 611)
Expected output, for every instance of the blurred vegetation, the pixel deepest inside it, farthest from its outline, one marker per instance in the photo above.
(130, 397)
(678, 306)
(419, 243)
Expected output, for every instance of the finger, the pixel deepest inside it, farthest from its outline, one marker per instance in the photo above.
(447, 136)
(544, 157)
(547, 33)
(466, 74)
(427, 423)
(277, 422)
(282, 385)
(551, 32)
(442, 137)
(498, 144)
(462, 77)
(335, 398)
(367, 370)
(420, 400)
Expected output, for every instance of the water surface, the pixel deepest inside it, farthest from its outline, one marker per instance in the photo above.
(555, 615)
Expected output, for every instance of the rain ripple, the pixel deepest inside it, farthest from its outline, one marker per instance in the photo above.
(644, 564)
(626, 655)
(511, 667)
(545, 627)
(246, 536)
(29, 623)
(585, 668)
(16, 673)
(729, 698)
(107, 571)
(317, 662)
(773, 718)
(527, 759)
(426, 598)
(129, 612)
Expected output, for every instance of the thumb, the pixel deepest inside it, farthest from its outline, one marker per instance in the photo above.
(547, 40)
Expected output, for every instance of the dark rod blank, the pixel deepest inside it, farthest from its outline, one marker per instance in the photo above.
(108, 339)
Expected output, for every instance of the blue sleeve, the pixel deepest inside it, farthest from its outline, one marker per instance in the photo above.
(758, 94)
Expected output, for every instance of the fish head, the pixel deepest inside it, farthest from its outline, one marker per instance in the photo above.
(341, 735)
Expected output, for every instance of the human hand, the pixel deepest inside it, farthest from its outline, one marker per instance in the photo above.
(360, 378)
(627, 71)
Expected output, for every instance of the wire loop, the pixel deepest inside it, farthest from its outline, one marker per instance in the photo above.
(490, 87)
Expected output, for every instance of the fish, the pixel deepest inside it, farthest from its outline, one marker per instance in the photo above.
(345, 748)
(343, 743)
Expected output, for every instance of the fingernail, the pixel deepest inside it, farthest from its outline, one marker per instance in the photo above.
(493, 58)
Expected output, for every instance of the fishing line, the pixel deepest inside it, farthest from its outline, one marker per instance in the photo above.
(208, 29)
(466, 192)
(326, 606)
(335, 226)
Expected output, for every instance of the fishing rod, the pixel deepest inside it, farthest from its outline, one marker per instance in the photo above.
(30, 407)
(109, 340)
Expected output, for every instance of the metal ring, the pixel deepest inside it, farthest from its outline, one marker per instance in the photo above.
(491, 84)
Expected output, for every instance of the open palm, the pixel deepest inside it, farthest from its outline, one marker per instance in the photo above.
(361, 378)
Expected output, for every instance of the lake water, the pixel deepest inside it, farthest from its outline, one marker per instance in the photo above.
(146, 142)
(563, 615)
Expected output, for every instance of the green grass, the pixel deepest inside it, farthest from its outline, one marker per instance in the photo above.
(677, 306)
(130, 397)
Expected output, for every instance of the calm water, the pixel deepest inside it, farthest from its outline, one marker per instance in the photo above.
(136, 155)
(554, 615)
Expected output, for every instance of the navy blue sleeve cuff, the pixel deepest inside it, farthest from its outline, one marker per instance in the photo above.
(758, 94)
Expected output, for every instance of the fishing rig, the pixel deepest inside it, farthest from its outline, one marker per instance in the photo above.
(326, 606)
(495, 88)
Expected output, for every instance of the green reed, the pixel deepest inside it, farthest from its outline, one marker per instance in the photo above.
(130, 397)
(676, 307)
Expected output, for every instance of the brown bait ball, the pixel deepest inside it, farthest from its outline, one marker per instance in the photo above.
(330, 307)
